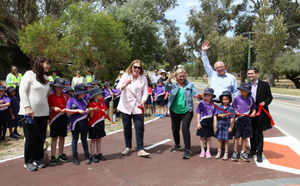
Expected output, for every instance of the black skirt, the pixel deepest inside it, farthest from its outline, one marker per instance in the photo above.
(205, 131)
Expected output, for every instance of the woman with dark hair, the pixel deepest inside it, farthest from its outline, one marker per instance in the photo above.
(14, 78)
(134, 88)
(34, 91)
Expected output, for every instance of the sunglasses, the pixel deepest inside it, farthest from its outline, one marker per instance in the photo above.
(135, 67)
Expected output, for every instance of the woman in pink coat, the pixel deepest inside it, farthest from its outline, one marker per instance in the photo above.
(133, 85)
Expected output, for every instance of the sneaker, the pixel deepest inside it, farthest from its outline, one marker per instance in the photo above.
(149, 115)
(202, 154)
(94, 159)
(143, 153)
(186, 154)
(39, 163)
(11, 136)
(63, 158)
(167, 114)
(153, 115)
(225, 157)
(157, 115)
(234, 156)
(30, 167)
(218, 156)
(176, 148)
(208, 155)
(16, 134)
(126, 151)
(244, 156)
(162, 116)
(100, 157)
(53, 160)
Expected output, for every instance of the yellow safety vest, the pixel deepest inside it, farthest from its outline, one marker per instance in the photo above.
(80, 81)
(52, 79)
(14, 79)
(89, 78)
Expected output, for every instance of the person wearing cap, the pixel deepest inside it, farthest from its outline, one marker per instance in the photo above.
(160, 98)
(205, 117)
(4, 112)
(79, 121)
(243, 104)
(163, 75)
(90, 77)
(58, 120)
(54, 75)
(14, 79)
(97, 84)
(134, 94)
(154, 78)
(34, 92)
(261, 93)
(14, 109)
(96, 122)
(220, 79)
(116, 100)
(223, 123)
(181, 109)
(120, 75)
(78, 79)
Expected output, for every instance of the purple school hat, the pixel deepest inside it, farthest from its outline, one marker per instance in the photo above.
(59, 82)
(80, 89)
(10, 88)
(209, 91)
(246, 87)
(226, 93)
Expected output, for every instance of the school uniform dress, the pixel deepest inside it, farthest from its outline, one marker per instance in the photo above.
(79, 123)
(4, 116)
(148, 102)
(116, 97)
(15, 107)
(160, 95)
(153, 95)
(206, 111)
(242, 125)
(107, 97)
(58, 121)
(96, 123)
(224, 123)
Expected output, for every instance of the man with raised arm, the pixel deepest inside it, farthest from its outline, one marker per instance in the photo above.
(220, 79)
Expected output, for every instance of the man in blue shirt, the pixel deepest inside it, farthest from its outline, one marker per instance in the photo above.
(220, 79)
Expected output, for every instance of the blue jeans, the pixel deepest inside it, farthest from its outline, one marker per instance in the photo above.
(82, 128)
(139, 130)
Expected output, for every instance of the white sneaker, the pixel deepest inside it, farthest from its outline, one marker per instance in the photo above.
(126, 151)
(143, 153)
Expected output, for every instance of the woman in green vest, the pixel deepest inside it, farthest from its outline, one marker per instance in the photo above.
(78, 79)
(14, 78)
(90, 77)
(181, 109)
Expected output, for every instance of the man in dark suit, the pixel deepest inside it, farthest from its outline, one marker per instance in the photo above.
(261, 93)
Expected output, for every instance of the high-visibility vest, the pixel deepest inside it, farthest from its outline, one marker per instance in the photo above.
(14, 79)
(89, 78)
(80, 81)
(52, 79)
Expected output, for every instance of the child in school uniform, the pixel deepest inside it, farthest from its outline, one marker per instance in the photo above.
(4, 112)
(205, 112)
(14, 108)
(79, 121)
(67, 84)
(116, 100)
(160, 98)
(243, 104)
(96, 122)
(149, 101)
(51, 88)
(167, 95)
(58, 120)
(89, 86)
(223, 123)
(69, 92)
(153, 104)
(107, 95)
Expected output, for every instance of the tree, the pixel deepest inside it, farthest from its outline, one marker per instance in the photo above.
(289, 64)
(270, 38)
(81, 36)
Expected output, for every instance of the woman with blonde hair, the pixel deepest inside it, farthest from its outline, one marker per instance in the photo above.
(134, 87)
(181, 108)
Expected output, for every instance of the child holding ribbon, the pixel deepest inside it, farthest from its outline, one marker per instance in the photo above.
(205, 112)
(243, 104)
(223, 123)
(96, 122)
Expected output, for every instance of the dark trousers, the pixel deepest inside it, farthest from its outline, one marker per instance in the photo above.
(82, 128)
(139, 130)
(257, 141)
(186, 119)
(34, 144)
(3, 127)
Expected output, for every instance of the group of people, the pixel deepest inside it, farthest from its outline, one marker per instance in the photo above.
(84, 104)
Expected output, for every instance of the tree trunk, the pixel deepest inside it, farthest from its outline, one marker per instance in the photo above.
(271, 79)
(295, 79)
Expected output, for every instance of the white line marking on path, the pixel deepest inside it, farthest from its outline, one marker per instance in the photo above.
(21, 156)
(156, 144)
